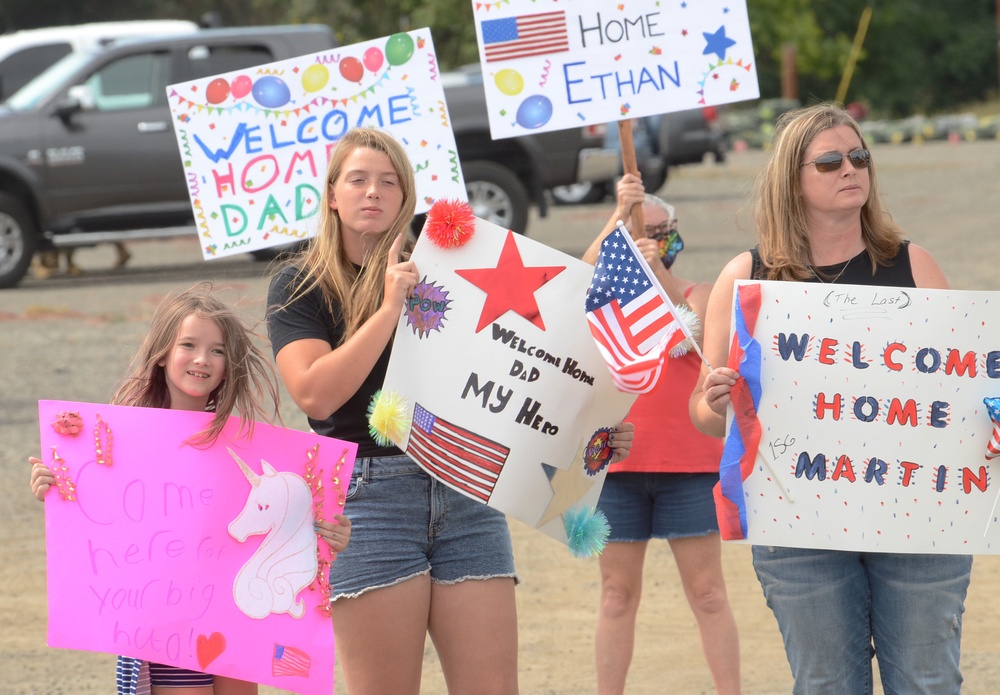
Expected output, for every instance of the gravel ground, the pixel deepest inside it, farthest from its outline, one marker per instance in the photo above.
(71, 339)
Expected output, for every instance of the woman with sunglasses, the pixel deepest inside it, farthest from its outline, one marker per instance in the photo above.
(820, 219)
(664, 488)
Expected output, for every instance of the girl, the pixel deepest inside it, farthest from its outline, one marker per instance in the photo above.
(424, 558)
(197, 355)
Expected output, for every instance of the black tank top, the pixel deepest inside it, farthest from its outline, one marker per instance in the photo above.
(858, 270)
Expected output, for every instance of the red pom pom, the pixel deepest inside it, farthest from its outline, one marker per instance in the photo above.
(450, 223)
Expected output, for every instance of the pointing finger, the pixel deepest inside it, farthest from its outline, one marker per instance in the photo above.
(394, 250)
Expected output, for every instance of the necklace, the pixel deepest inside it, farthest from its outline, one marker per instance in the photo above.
(830, 282)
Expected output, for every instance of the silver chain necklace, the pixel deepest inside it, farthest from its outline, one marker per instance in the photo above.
(830, 282)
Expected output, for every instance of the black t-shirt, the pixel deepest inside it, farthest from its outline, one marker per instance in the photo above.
(857, 271)
(308, 317)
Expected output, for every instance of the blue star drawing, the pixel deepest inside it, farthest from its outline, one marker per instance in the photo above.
(717, 43)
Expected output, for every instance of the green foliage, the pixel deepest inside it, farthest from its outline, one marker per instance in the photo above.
(775, 24)
(450, 21)
(921, 56)
(916, 57)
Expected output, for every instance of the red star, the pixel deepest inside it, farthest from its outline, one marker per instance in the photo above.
(510, 286)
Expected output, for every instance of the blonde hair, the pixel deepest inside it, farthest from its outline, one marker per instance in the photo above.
(780, 210)
(248, 377)
(355, 294)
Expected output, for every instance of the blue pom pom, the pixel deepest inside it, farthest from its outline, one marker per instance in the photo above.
(587, 531)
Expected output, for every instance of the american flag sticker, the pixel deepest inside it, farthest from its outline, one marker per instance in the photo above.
(289, 661)
(525, 36)
(459, 457)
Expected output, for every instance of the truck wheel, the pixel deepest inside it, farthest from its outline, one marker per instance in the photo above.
(18, 240)
(581, 193)
(496, 195)
(653, 181)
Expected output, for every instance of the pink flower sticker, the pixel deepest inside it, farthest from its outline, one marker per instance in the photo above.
(68, 422)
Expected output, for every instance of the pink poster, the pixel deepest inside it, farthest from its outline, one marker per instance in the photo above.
(205, 558)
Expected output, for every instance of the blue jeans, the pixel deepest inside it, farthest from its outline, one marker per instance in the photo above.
(836, 609)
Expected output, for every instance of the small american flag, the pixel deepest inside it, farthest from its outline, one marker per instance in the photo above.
(460, 458)
(525, 36)
(631, 318)
(289, 661)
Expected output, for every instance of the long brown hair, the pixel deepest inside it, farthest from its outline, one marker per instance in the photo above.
(355, 294)
(780, 210)
(249, 375)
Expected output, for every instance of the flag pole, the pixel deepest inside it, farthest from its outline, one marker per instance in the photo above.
(629, 166)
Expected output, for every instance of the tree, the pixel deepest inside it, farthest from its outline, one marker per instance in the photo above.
(924, 56)
(776, 23)
(917, 56)
(450, 21)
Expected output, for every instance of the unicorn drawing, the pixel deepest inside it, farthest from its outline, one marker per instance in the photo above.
(280, 505)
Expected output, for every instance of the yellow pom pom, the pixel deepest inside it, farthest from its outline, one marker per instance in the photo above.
(387, 418)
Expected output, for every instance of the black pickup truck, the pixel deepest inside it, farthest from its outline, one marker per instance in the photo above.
(88, 154)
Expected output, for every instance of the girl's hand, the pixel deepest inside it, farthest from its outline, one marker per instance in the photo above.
(717, 387)
(621, 440)
(41, 478)
(336, 533)
(400, 277)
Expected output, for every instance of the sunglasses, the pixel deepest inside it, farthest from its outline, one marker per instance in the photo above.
(831, 161)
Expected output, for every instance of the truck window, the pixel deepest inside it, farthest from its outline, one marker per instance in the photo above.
(136, 81)
(213, 60)
(20, 67)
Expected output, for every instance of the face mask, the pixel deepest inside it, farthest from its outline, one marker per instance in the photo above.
(670, 246)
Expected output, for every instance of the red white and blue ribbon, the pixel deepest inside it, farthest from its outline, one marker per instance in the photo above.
(744, 434)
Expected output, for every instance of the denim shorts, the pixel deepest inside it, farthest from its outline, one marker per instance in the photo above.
(404, 523)
(641, 506)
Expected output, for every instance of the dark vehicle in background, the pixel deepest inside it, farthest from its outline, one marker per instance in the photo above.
(87, 150)
(661, 142)
(88, 154)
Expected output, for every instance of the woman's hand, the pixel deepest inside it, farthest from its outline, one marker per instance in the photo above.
(336, 533)
(650, 250)
(630, 192)
(41, 478)
(622, 435)
(400, 276)
(717, 387)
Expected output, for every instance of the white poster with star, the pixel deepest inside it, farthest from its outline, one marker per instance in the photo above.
(551, 65)
(255, 143)
(502, 392)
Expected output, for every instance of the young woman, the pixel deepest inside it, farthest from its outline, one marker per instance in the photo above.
(664, 488)
(820, 219)
(423, 559)
(197, 355)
